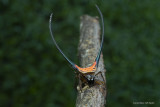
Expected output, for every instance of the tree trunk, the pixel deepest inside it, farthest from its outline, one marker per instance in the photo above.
(88, 49)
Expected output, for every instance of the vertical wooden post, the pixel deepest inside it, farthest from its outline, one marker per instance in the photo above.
(88, 48)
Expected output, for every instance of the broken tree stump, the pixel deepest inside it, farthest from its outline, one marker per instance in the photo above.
(88, 48)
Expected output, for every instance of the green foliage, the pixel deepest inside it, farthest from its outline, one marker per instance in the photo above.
(34, 74)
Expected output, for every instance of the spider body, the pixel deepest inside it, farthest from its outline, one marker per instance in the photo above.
(87, 74)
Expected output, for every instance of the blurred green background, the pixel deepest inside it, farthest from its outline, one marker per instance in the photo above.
(34, 74)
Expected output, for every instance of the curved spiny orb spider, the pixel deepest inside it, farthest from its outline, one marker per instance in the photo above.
(88, 74)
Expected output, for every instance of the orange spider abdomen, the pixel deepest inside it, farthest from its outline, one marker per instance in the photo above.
(88, 69)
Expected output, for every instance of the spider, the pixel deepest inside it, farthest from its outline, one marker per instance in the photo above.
(86, 75)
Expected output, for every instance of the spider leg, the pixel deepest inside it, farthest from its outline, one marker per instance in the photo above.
(79, 87)
(99, 81)
(82, 83)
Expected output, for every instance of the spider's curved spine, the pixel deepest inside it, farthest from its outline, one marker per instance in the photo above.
(100, 50)
(50, 28)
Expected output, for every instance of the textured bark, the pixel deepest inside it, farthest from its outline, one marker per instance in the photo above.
(89, 46)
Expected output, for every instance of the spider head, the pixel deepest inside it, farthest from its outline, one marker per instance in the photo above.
(90, 79)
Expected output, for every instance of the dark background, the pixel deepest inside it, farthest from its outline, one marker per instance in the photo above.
(34, 74)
